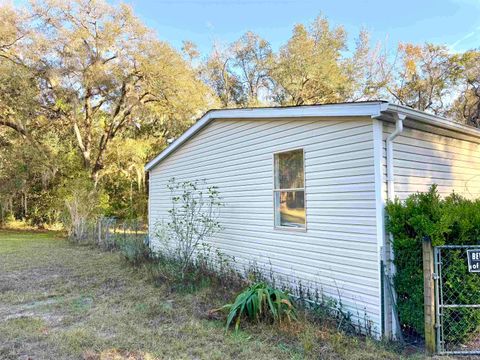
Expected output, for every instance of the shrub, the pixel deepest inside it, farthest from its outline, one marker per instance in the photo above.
(260, 302)
(449, 221)
(192, 221)
(135, 249)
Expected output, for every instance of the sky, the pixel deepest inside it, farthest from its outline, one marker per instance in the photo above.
(455, 23)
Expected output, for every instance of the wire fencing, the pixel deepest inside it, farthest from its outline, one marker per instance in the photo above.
(109, 232)
(457, 287)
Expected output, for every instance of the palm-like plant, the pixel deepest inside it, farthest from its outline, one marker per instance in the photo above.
(260, 301)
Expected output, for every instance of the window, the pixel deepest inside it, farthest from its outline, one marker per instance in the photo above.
(289, 191)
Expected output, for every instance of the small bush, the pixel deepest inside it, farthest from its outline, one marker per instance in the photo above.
(134, 249)
(260, 302)
(193, 220)
(186, 258)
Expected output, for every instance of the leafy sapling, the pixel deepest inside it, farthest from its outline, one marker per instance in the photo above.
(193, 220)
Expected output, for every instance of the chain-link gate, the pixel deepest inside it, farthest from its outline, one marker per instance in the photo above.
(457, 290)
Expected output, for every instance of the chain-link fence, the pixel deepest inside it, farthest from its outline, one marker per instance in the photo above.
(109, 232)
(457, 299)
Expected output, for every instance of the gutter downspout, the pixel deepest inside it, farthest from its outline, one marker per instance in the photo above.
(396, 328)
(390, 169)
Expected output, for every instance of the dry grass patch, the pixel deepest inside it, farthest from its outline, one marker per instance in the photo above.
(63, 301)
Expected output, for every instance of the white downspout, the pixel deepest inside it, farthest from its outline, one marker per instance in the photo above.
(396, 327)
(390, 168)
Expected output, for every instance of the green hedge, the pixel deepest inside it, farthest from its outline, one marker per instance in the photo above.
(453, 220)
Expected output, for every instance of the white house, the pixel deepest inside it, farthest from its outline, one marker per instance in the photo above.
(305, 187)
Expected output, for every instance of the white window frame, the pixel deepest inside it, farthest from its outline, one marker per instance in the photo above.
(275, 190)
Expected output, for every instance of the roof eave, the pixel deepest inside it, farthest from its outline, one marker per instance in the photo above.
(374, 109)
(370, 109)
(433, 120)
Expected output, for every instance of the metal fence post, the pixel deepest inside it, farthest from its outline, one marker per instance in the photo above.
(428, 295)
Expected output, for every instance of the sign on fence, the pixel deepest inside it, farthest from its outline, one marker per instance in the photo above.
(473, 256)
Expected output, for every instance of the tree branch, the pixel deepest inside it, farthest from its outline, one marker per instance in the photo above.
(15, 126)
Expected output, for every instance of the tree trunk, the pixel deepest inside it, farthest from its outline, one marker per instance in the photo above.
(25, 205)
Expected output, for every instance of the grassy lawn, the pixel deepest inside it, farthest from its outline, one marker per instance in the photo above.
(61, 301)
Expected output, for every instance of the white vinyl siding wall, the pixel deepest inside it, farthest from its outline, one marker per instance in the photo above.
(422, 159)
(338, 251)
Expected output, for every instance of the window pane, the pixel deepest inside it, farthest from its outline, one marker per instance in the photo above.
(290, 208)
(289, 170)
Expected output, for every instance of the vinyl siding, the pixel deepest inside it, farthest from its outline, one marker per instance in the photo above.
(338, 252)
(422, 159)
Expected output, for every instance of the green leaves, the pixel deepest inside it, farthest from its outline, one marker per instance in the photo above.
(91, 89)
(193, 219)
(260, 302)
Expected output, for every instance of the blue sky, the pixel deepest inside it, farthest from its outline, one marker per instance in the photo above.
(455, 23)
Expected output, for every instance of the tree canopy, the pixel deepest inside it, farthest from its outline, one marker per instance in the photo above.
(88, 92)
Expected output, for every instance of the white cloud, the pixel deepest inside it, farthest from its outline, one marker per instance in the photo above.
(464, 38)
